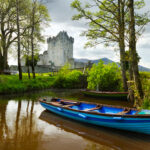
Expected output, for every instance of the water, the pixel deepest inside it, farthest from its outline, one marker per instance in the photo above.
(25, 125)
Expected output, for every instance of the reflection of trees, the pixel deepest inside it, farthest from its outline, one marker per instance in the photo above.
(3, 123)
(24, 133)
(94, 146)
(17, 119)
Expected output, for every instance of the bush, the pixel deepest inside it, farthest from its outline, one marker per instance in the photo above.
(146, 103)
(69, 79)
(104, 77)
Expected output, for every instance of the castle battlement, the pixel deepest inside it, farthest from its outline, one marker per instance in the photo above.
(60, 50)
(61, 36)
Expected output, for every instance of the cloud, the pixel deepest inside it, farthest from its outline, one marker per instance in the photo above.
(61, 14)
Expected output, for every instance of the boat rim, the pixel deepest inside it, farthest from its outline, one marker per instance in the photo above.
(104, 92)
(99, 113)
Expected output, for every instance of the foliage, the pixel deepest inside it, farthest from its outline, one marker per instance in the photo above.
(28, 60)
(104, 77)
(64, 70)
(146, 103)
(108, 23)
(11, 84)
(69, 79)
(8, 26)
(102, 17)
(145, 79)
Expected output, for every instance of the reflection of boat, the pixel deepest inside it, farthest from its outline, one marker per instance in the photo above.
(114, 139)
(107, 95)
(101, 115)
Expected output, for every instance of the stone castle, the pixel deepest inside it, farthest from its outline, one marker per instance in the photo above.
(60, 52)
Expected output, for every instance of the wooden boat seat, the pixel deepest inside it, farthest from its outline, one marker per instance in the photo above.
(90, 109)
(74, 104)
(123, 112)
(56, 103)
(61, 103)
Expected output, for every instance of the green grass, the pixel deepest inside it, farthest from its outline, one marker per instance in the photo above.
(11, 84)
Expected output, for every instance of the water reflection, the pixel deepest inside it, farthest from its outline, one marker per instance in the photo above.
(24, 125)
(3, 123)
(22, 131)
(107, 138)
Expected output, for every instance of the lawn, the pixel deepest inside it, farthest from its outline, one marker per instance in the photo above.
(12, 84)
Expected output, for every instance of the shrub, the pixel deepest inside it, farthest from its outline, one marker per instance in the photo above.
(146, 103)
(104, 77)
(69, 79)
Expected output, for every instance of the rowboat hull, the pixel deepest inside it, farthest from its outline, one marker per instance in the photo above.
(107, 137)
(106, 95)
(135, 124)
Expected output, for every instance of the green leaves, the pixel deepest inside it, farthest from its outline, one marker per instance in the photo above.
(102, 18)
(69, 79)
(105, 77)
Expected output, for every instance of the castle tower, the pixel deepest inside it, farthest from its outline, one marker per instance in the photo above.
(60, 49)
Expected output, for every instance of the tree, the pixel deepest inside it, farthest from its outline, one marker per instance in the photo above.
(39, 16)
(16, 19)
(132, 48)
(104, 77)
(7, 30)
(28, 61)
(18, 37)
(108, 23)
(25, 42)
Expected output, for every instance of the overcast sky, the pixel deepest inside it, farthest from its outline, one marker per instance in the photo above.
(61, 14)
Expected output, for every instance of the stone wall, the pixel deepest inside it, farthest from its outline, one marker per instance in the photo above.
(43, 59)
(38, 69)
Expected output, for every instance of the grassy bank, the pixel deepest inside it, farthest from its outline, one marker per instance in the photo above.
(65, 79)
(10, 83)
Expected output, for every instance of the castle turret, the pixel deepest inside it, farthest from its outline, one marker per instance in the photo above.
(60, 48)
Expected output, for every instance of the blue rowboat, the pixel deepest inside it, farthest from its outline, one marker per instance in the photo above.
(102, 115)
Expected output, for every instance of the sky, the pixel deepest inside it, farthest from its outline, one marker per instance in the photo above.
(61, 14)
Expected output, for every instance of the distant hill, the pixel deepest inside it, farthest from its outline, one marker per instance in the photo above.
(106, 61)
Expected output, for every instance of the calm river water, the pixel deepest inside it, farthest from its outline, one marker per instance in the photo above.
(25, 125)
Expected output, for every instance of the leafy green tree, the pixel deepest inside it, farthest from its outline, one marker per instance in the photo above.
(104, 77)
(20, 19)
(108, 22)
(28, 61)
(7, 30)
(39, 17)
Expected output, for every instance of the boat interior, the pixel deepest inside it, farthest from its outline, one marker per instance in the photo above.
(87, 107)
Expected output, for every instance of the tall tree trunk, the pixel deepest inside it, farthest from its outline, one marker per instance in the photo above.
(32, 38)
(4, 49)
(6, 59)
(130, 68)
(28, 65)
(121, 42)
(132, 49)
(18, 42)
(1, 62)
(28, 69)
